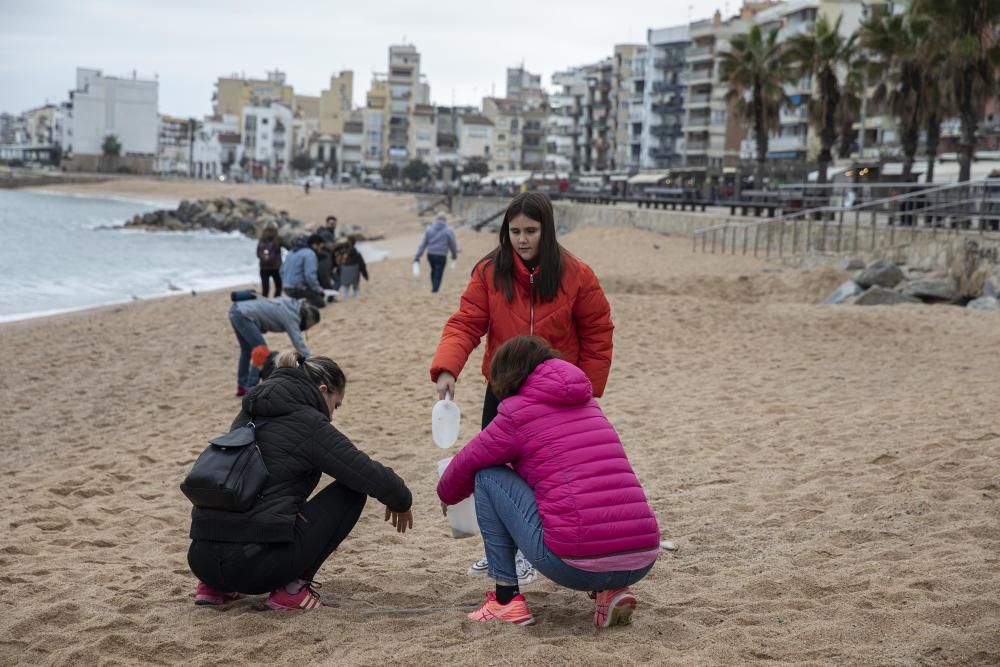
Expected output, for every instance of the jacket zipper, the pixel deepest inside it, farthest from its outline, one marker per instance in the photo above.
(531, 319)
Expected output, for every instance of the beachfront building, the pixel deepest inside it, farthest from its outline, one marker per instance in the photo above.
(518, 137)
(267, 140)
(524, 86)
(596, 132)
(124, 107)
(405, 90)
(335, 103)
(662, 144)
(173, 153)
(423, 133)
(475, 137)
(236, 92)
(351, 148)
(628, 84)
(563, 150)
(374, 118)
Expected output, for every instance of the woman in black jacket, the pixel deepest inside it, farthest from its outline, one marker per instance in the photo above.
(280, 543)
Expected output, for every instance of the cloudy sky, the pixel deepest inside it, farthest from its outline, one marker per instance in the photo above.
(466, 45)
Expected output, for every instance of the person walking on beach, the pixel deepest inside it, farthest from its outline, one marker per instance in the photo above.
(279, 545)
(300, 272)
(351, 268)
(252, 318)
(528, 285)
(269, 259)
(438, 240)
(551, 478)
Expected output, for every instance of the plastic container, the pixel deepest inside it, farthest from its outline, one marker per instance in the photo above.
(416, 269)
(446, 417)
(453, 264)
(461, 517)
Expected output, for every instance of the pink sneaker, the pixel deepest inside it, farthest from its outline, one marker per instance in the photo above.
(613, 607)
(241, 391)
(516, 611)
(205, 594)
(305, 600)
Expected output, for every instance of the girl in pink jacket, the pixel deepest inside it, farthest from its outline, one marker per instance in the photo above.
(551, 478)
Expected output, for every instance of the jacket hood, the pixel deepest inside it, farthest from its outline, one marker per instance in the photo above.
(437, 225)
(557, 382)
(285, 391)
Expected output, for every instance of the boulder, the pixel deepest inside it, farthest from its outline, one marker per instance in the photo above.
(245, 226)
(990, 288)
(933, 291)
(984, 303)
(852, 265)
(844, 293)
(880, 296)
(881, 273)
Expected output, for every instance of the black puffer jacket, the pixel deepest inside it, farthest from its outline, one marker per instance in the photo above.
(298, 443)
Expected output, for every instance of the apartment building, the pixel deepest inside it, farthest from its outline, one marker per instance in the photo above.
(267, 139)
(423, 133)
(563, 152)
(475, 137)
(236, 92)
(628, 76)
(662, 144)
(174, 141)
(524, 86)
(519, 135)
(352, 139)
(335, 103)
(405, 89)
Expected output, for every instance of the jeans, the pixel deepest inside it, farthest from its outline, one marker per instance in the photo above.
(317, 299)
(437, 262)
(249, 337)
(509, 520)
(272, 274)
(350, 279)
(259, 568)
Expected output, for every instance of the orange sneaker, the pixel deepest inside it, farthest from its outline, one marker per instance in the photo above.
(613, 607)
(516, 611)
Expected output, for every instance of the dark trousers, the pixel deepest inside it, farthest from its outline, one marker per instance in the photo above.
(437, 263)
(315, 298)
(272, 274)
(259, 568)
(490, 407)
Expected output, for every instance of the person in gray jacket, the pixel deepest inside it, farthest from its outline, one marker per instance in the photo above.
(251, 319)
(299, 273)
(438, 240)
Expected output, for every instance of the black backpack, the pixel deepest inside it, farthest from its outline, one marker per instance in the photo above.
(230, 474)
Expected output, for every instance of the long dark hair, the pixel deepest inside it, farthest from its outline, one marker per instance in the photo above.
(536, 206)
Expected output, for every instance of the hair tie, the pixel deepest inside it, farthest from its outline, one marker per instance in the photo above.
(300, 359)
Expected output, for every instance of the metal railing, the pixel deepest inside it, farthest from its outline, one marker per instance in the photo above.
(839, 228)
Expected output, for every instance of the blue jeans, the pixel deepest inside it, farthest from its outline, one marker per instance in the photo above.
(437, 263)
(249, 337)
(509, 520)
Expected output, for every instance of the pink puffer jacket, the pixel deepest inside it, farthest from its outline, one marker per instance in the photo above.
(555, 436)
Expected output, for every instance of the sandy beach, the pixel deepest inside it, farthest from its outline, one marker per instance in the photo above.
(830, 475)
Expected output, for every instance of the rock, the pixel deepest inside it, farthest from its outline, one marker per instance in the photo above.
(931, 290)
(984, 303)
(880, 296)
(882, 273)
(852, 265)
(844, 293)
(990, 288)
(246, 227)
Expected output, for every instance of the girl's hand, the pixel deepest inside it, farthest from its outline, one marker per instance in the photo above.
(400, 520)
(446, 385)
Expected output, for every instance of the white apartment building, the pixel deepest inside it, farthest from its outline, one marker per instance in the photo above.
(404, 93)
(267, 139)
(666, 83)
(563, 124)
(524, 86)
(628, 85)
(423, 133)
(124, 107)
(475, 137)
(173, 153)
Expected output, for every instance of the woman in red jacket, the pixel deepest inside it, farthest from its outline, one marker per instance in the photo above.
(528, 285)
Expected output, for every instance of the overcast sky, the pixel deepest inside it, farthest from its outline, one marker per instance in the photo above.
(465, 46)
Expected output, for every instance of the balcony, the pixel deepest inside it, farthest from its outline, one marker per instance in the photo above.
(668, 63)
(696, 147)
(673, 105)
(666, 131)
(698, 101)
(700, 76)
(667, 87)
(786, 144)
(699, 53)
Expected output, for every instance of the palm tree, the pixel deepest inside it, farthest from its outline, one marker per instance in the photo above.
(970, 29)
(822, 55)
(898, 44)
(756, 69)
(849, 109)
(939, 103)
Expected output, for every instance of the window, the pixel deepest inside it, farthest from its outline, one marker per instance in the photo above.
(513, 124)
(263, 121)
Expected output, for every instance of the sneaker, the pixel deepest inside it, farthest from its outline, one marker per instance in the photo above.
(241, 391)
(613, 607)
(525, 571)
(206, 595)
(306, 599)
(516, 611)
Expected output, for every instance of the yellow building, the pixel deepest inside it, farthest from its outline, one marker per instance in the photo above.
(234, 93)
(336, 102)
(307, 106)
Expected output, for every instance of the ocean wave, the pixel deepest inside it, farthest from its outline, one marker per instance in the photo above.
(154, 203)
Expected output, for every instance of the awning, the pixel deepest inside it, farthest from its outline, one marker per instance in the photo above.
(591, 180)
(648, 179)
(618, 178)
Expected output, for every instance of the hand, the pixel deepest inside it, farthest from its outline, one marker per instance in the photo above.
(400, 520)
(444, 508)
(446, 385)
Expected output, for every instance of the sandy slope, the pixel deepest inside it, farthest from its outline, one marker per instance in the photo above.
(830, 474)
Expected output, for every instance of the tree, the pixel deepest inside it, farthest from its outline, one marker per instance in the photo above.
(111, 147)
(192, 128)
(756, 68)
(849, 109)
(476, 165)
(897, 43)
(821, 55)
(390, 172)
(970, 29)
(302, 162)
(416, 170)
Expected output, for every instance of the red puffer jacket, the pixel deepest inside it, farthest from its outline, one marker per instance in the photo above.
(577, 322)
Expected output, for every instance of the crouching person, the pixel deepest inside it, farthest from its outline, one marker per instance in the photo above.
(280, 543)
(551, 478)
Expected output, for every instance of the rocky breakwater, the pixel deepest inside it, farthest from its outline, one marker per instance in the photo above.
(246, 216)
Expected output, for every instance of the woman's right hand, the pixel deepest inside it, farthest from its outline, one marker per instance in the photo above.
(446, 385)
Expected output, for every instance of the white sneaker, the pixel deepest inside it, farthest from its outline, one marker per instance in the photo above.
(525, 571)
